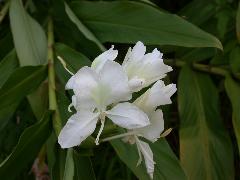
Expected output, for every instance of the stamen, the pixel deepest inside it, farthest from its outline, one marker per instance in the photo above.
(165, 133)
(69, 107)
(139, 152)
(100, 131)
(64, 65)
(118, 136)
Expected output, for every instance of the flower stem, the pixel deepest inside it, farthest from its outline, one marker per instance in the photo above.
(51, 80)
(4, 11)
(202, 67)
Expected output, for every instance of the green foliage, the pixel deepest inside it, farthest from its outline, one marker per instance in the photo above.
(29, 37)
(167, 29)
(197, 38)
(167, 165)
(27, 148)
(201, 129)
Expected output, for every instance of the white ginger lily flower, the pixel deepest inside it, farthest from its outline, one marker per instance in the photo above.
(144, 69)
(157, 95)
(94, 90)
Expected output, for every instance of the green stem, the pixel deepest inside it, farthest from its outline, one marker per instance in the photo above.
(202, 67)
(4, 11)
(51, 80)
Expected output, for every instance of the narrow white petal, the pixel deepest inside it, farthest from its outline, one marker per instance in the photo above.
(148, 156)
(99, 61)
(127, 57)
(113, 76)
(152, 132)
(78, 127)
(128, 116)
(138, 51)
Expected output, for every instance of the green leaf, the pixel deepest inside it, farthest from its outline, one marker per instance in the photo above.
(21, 82)
(238, 23)
(29, 37)
(234, 59)
(82, 28)
(208, 9)
(205, 147)
(83, 167)
(7, 66)
(27, 148)
(125, 22)
(167, 165)
(74, 60)
(233, 89)
(39, 100)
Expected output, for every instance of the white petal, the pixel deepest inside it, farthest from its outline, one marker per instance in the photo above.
(148, 156)
(70, 83)
(136, 84)
(99, 61)
(157, 95)
(128, 116)
(138, 51)
(113, 76)
(78, 127)
(83, 83)
(149, 67)
(127, 57)
(152, 132)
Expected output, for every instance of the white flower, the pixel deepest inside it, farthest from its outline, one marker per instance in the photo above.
(144, 69)
(94, 90)
(157, 95)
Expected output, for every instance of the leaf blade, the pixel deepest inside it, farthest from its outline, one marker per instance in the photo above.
(27, 31)
(125, 23)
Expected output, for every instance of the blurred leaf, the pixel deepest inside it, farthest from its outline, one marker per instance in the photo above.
(57, 157)
(69, 166)
(234, 59)
(6, 44)
(233, 90)
(39, 100)
(9, 136)
(82, 28)
(167, 165)
(7, 66)
(125, 22)
(27, 148)
(83, 168)
(205, 8)
(21, 82)
(76, 39)
(238, 23)
(205, 147)
(223, 19)
(29, 37)
(198, 54)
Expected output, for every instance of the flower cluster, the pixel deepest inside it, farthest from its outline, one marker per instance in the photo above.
(103, 90)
